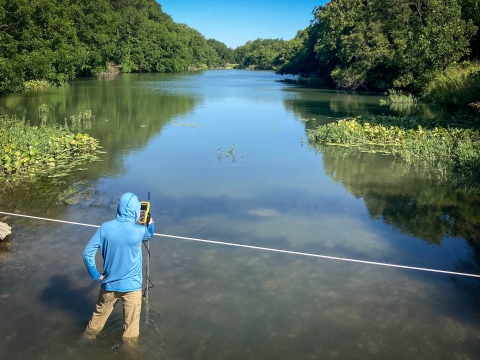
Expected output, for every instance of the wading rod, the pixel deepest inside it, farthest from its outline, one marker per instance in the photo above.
(147, 270)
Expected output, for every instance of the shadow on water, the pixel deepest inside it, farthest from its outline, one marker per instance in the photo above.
(4, 246)
(61, 295)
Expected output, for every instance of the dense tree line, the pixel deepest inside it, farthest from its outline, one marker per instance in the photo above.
(384, 43)
(259, 54)
(57, 40)
(375, 44)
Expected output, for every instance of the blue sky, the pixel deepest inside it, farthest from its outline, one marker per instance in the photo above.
(236, 22)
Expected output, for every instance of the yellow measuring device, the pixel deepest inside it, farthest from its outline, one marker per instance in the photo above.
(144, 212)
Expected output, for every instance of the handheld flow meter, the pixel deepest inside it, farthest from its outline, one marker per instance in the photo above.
(144, 213)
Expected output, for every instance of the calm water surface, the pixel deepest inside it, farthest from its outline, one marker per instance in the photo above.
(170, 135)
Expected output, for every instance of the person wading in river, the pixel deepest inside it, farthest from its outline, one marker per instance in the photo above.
(120, 241)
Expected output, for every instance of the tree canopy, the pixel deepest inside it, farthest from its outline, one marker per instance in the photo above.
(384, 43)
(259, 54)
(57, 40)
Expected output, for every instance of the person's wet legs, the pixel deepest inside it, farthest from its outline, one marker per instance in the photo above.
(104, 307)
(132, 305)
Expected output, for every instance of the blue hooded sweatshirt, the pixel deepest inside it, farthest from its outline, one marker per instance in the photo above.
(120, 241)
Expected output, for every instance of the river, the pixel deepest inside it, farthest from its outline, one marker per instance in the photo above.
(224, 156)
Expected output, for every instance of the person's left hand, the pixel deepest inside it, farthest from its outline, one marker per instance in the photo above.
(151, 221)
(102, 277)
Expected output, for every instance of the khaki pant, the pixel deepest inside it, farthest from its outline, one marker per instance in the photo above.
(132, 304)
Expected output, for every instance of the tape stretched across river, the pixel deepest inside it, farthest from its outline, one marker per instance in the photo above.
(265, 249)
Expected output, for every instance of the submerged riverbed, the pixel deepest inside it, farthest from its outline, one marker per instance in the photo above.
(223, 154)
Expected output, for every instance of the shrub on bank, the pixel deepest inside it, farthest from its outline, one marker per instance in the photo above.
(457, 87)
(27, 151)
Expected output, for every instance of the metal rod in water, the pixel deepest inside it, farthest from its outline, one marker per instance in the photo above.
(147, 272)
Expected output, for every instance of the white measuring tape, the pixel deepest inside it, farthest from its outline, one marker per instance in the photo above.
(265, 249)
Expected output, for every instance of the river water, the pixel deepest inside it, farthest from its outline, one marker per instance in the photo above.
(223, 154)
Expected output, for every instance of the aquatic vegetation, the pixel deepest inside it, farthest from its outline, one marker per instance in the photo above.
(28, 152)
(43, 113)
(228, 153)
(85, 193)
(76, 193)
(429, 141)
(82, 121)
(398, 97)
(401, 102)
(231, 152)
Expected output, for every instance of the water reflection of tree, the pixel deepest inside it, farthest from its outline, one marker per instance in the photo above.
(323, 106)
(471, 265)
(127, 115)
(414, 202)
(406, 198)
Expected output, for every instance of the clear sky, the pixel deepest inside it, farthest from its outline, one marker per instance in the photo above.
(236, 22)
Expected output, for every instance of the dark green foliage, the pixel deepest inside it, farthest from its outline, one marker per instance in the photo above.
(225, 53)
(471, 11)
(96, 25)
(259, 54)
(381, 43)
(456, 88)
(57, 40)
(37, 41)
(298, 55)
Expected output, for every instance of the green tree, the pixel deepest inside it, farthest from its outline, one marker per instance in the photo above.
(260, 53)
(57, 40)
(225, 53)
(471, 11)
(37, 41)
(381, 43)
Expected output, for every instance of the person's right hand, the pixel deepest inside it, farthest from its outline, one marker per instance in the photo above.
(102, 277)
(151, 221)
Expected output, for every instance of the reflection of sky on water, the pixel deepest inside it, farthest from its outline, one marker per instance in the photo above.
(221, 302)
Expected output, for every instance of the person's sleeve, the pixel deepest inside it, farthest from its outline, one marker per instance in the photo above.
(149, 232)
(89, 254)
